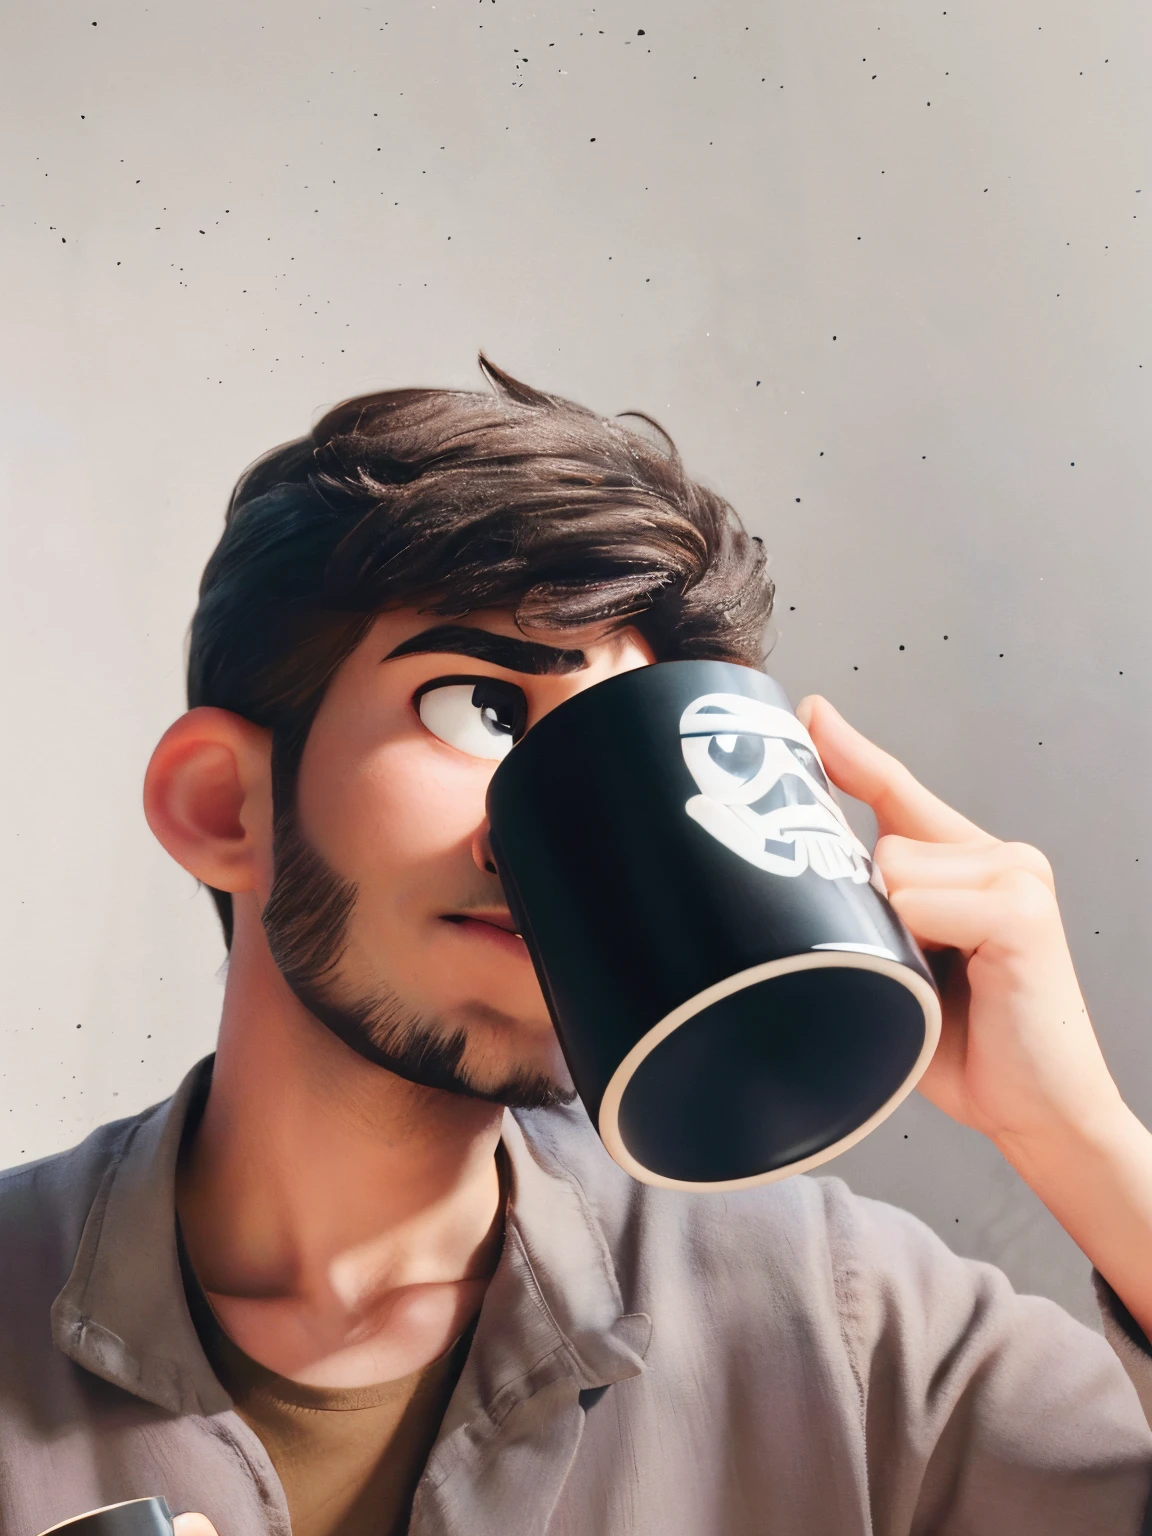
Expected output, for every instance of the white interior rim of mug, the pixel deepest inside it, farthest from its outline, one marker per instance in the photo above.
(609, 1118)
(88, 1513)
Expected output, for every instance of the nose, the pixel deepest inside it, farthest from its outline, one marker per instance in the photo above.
(482, 849)
(789, 789)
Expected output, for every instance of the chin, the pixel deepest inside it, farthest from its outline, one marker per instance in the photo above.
(487, 1060)
(503, 1050)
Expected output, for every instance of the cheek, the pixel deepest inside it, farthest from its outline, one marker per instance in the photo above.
(388, 805)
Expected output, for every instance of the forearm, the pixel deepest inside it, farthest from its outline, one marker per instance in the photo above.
(1096, 1179)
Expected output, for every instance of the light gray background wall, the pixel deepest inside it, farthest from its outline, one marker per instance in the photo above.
(880, 266)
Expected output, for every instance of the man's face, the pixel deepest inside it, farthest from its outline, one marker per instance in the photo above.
(386, 914)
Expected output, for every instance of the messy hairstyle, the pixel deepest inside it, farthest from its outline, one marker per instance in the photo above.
(454, 501)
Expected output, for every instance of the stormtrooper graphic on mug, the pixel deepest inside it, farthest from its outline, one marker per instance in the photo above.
(763, 792)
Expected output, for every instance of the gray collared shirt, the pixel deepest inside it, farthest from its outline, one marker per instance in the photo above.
(791, 1360)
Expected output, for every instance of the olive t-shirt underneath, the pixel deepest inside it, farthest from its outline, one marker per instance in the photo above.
(349, 1459)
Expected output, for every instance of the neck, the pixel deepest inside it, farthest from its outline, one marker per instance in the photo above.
(325, 1201)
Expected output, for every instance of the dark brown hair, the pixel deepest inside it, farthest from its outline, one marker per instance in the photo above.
(454, 501)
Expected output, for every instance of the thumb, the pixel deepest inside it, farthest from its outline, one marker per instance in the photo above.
(193, 1525)
(838, 743)
(804, 709)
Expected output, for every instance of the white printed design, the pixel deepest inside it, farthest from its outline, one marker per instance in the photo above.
(763, 792)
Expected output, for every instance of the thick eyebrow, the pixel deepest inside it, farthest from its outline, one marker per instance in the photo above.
(501, 650)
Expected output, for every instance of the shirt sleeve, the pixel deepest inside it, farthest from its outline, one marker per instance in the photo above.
(1127, 1339)
(984, 1411)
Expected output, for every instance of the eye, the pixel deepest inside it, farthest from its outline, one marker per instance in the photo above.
(723, 765)
(483, 716)
(740, 757)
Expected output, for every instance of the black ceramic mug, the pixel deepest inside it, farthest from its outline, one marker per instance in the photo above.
(135, 1517)
(735, 997)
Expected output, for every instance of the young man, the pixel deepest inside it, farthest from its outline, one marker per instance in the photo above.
(370, 1270)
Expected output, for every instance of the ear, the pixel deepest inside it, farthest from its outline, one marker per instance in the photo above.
(208, 799)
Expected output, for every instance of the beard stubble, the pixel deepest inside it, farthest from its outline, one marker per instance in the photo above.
(306, 921)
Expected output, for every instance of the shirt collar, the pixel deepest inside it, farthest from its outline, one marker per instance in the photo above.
(554, 1297)
(122, 1314)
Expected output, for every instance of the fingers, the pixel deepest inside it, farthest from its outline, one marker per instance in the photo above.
(193, 1525)
(966, 895)
(905, 862)
(866, 772)
(1012, 915)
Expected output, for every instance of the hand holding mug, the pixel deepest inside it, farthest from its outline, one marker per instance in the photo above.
(1018, 1058)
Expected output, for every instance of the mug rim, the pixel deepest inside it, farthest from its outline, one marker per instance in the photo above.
(608, 1119)
(104, 1509)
